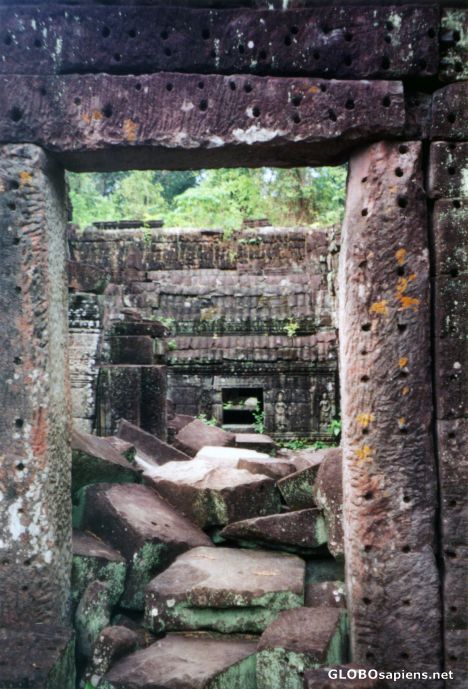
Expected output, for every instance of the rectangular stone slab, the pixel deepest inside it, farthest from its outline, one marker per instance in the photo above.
(148, 446)
(449, 116)
(389, 477)
(448, 170)
(224, 589)
(325, 42)
(450, 236)
(297, 640)
(179, 662)
(143, 527)
(104, 122)
(93, 559)
(454, 34)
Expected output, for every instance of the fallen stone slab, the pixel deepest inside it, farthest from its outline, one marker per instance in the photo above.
(328, 496)
(302, 530)
(342, 677)
(297, 488)
(37, 656)
(95, 460)
(95, 560)
(330, 594)
(92, 615)
(255, 441)
(250, 460)
(212, 495)
(297, 640)
(148, 532)
(197, 434)
(185, 662)
(150, 448)
(123, 447)
(111, 644)
(224, 589)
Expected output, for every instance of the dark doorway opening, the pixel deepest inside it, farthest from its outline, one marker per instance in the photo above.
(241, 405)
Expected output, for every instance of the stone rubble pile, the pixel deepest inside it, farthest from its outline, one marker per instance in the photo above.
(205, 564)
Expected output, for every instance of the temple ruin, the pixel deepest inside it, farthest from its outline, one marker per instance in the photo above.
(198, 561)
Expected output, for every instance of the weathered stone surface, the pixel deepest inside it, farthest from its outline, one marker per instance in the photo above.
(325, 593)
(342, 677)
(95, 460)
(454, 35)
(452, 436)
(111, 644)
(455, 581)
(300, 530)
(455, 657)
(450, 112)
(210, 494)
(92, 616)
(197, 435)
(450, 338)
(297, 488)
(296, 641)
(184, 662)
(137, 350)
(450, 236)
(250, 460)
(255, 441)
(150, 448)
(123, 447)
(105, 122)
(39, 656)
(328, 496)
(145, 529)
(389, 476)
(35, 508)
(322, 42)
(224, 589)
(95, 560)
(135, 393)
(448, 167)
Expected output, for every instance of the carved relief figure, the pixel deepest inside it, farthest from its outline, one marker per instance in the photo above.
(281, 421)
(325, 411)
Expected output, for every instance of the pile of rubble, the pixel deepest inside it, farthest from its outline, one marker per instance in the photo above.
(205, 563)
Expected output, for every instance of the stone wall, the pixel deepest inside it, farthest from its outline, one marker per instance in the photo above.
(228, 304)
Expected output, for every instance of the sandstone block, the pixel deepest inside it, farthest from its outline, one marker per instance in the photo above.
(224, 589)
(255, 441)
(149, 447)
(297, 488)
(296, 641)
(325, 593)
(454, 33)
(450, 113)
(92, 616)
(328, 496)
(146, 530)
(448, 166)
(249, 460)
(95, 460)
(94, 560)
(111, 644)
(179, 662)
(131, 349)
(450, 236)
(302, 530)
(196, 435)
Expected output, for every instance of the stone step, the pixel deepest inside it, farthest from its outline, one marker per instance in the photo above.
(302, 530)
(187, 662)
(147, 531)
(224, 589)
(95, 460)
(297, 640)
(211, 493)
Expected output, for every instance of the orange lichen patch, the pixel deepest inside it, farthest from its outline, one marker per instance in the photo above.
(380, 307)
(25, 178)
(406, 302)
(364, 454)
(400, 256)
(365, 418)
(405, 391)
(314, 89)
(403, 361)
(97, 115)
(39, 433)
(401, 422)
(130, 129)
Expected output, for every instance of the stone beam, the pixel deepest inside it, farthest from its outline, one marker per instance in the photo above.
(35, 508)
(332, 42)
(259, 4)
(106, 122)
(389, 469)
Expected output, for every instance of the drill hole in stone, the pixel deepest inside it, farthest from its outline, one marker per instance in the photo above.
(164, 35)
(431, 33)
(203, 105)
(296, 118)
(406, 498)
(456, 203)
(17, 360)
(296, 101)
(323, 88)
(349, 105)
(294, 30)
(248, 88)
(332, 115)
(16, 114)
(366, 601)
(364, 212)
(386, 101)
(105, 32)
(287, 41)
(316, 55)
(400, 270)
(20, 466)
(256, 111)
(402, 201)
(367, 548)
(8, 40)
(117, 57)
(107, 110)
(399, 172)
(451, 117)
(201, 85)
(406, 549)
(77, 101)
(365, 327)
(401, 327)
(389, 25)
(348, 60)
(138, 86)
(406, 602)
(387, 39)
(132, 33)
(205, 34)
(167, 52)
(19, 423)
(385, 62)
(37, 43)
(369, 495)
(241, 49)
(403, 148)
(364, 379)
(452, 170)
(11, 206)
(169, 86)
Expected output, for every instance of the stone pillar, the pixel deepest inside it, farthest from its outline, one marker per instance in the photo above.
(447, 174)
(390, 487)
(35, 508)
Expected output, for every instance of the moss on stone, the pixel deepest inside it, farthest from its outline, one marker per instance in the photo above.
(87, 569)
(147, 562)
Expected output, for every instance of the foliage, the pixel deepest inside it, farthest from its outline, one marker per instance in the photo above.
(221, 198)
(206, 420)
(171, 345)
(303, 444)
(259, 420)
(291, 327)
(335, 428)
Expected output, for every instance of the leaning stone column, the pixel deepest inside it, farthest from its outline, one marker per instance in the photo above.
(390, 489)
(35, 510)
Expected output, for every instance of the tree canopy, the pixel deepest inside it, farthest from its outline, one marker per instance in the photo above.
(221, 198)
